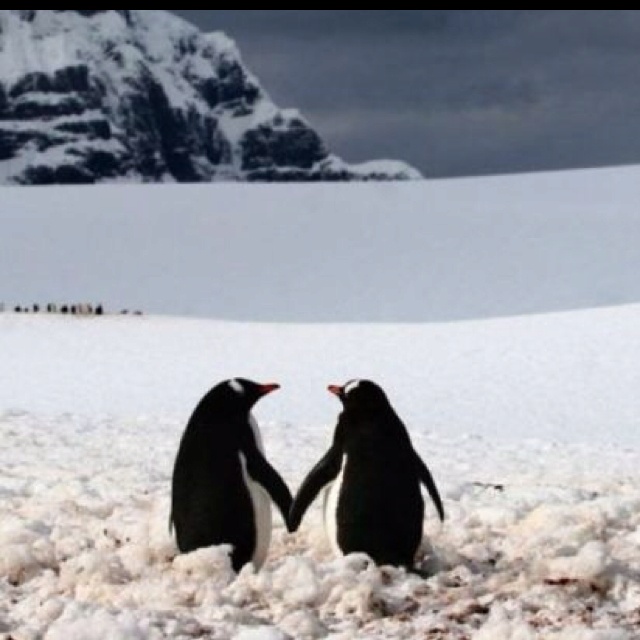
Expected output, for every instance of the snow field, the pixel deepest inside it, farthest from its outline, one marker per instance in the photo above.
(530, 424)
(539, 472)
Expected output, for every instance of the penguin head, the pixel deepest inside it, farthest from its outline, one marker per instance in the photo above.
(360, 395)
(238, 394)
(248, 392)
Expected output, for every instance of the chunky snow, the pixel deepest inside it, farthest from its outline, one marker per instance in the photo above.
(528, 423)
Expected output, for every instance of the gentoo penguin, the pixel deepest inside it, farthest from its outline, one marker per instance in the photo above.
(222, 482)
(373, 503)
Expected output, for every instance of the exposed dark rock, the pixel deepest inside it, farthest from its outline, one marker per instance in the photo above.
(102, 163)
(4, 102)
(31, 108)
(62, 174)
(294, 146)
(98, 129)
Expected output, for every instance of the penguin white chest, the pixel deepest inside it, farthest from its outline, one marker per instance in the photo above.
(261, 504)
(331, 498)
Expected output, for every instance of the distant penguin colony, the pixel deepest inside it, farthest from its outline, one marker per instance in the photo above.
(83, 309)
(222, 483)
(372, 477)
(80, 310)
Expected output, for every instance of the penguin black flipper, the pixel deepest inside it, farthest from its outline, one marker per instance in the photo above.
(427, 479)
(321, 475)
(265, 475)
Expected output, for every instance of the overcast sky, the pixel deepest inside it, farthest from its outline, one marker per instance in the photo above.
(453, 92)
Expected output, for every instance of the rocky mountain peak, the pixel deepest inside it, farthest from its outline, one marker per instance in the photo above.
(140, 95)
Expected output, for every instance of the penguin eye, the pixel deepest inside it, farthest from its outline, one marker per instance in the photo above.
(237, 387)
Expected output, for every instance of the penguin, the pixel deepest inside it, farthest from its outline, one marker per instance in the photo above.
(222, 483)
(372, 476)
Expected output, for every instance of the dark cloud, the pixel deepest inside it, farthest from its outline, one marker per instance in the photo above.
(319, 23)
(453, 91)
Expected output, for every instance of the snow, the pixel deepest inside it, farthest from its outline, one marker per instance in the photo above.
(56, 156)
(387, 167)
(236, 126)
(39, 125)
(529, 423)
(539, 482)
(54, 41)
(553, 365)
(403, 252)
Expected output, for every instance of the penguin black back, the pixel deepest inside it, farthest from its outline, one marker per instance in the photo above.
(374, 504)
(221, 479)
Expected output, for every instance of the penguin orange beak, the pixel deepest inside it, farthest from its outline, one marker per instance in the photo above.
(268, 388)
(335, 389)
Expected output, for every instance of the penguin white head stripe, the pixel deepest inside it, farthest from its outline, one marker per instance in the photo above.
(237, 387)
(351, 386)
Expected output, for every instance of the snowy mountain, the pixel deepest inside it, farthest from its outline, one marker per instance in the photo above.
(135, 95)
